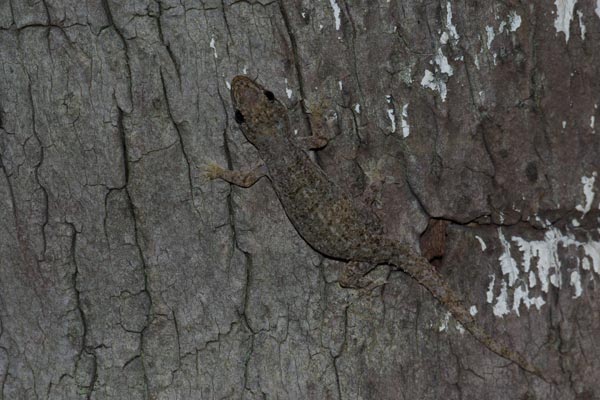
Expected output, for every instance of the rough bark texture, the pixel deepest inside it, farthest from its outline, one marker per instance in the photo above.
(125, 275)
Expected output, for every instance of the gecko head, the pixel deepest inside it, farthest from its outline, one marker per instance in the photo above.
(258, 113)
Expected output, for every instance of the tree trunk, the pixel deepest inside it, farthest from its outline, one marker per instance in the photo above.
(125, 274)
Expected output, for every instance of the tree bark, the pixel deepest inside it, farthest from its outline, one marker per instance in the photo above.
(124, 274)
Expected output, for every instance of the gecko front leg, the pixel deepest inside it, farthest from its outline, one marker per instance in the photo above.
(323, 126)
(312, 142)
(244, 178)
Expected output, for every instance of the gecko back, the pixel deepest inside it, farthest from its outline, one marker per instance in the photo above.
(324, 215)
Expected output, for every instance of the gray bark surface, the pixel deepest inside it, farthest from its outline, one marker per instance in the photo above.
(125, 274)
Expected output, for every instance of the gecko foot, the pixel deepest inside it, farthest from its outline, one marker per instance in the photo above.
(212, 171)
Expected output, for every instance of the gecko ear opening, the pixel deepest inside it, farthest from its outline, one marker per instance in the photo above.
(239, 118)
(270, 95)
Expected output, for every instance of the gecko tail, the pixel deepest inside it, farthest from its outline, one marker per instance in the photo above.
(427, 275)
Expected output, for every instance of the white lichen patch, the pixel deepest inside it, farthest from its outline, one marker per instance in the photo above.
(442, 61)
(500, 309)
(588, 192)
(514, 21)
(391, 114)
(288, 91)
(489, 30)
(527, 281)
(511, 24)
(581, 24)
(357, 108)
(431, 82)
(564, 16)
(508, 264)
(473, 310)
(502, 26)
(428, 80)
(597, 10)
(490, 292)
(576, 283)
(451, 29)
(213, 45)
(543, 223)
(392, 118)
(404, 121)
(444, 38)
(444, 323)
(481, 242)
(443, 70)
(336, 14)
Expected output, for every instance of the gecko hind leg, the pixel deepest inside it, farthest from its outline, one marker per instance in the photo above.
(354, 276)
(244, 178)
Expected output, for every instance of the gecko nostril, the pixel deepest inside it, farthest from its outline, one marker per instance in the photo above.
(239, 118)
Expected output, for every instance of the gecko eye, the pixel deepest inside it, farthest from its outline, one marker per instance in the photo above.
(270, 95)
(239, 118)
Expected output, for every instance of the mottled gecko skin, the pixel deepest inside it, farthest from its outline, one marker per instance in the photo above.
(325, 216)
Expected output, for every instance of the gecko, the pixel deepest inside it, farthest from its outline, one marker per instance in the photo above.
(324, 215)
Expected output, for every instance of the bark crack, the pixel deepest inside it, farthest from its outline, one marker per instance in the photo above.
(36, 169)
(85, 347)
(181, 144)
(111, 22)
(11, 194)
(167, 47)
(295, 60)
(149, 316)
(130, 205)
(6, 374)
(353, 48)
(336, 357)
